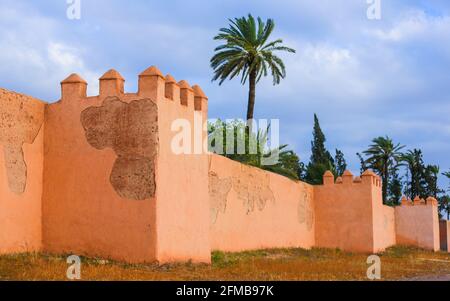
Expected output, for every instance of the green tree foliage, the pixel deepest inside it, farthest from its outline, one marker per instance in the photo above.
(395, 188)
(247, 52)
(288, 166)
(444, 206)
(362, 162)
(415, 183)
(251, 148)
(447, 174)
(431, 177)
(341, 164)
(383, 156)
(321, 159)
(421, 179)
(302, 172)
(444, 201)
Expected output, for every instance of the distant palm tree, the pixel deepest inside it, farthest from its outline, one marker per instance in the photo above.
(444, 205)
(383, 155)
(447, 174)
(246, 51)
(413, 160)
(431, 179)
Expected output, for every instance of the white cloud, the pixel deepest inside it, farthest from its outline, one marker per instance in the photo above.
(67, 60)
(37, 60)
(363, 78)
(324, 72)
(64, 56)
(412, 25)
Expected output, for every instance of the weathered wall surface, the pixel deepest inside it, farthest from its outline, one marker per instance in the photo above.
(182, 209)
(444, 233)
(126, 176)
(351, 215)
(384, 223)
(113, 186)
(253, 209)
(418, 224)
(21, 165)
(344, 216)
(97, 200)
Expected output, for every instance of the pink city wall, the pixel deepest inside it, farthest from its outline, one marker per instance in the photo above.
(21, 166)
(112, 186)
(254, 209)
(417, 223)
(444, 232)
(116, 176)
(350, 214)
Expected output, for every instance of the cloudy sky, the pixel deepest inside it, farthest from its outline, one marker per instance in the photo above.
(364, 78)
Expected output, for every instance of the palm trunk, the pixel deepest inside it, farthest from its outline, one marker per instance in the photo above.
(251, 95)
(250, 108)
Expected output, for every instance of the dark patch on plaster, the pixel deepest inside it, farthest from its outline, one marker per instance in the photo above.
(253, 188)
(218, 194)
(16, 168)
(21, 118)
(306, 210)
(130, 129)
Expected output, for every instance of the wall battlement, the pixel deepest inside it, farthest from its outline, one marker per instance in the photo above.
(348, 213)
(97, 176)
(367, 178)
(419, 202)
(151, 84)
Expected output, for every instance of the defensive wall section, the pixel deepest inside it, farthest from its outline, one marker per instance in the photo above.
(114, 176)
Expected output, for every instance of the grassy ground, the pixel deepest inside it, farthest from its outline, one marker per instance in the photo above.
(280, 264)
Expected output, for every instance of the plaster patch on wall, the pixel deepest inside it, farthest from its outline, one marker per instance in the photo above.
(218, 194)
(253, 187)
(130, 129)
(21, 118)
(306, 210)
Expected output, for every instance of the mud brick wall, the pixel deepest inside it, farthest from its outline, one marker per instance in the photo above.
(127, 176)
(350, 214)
(417, 223)
(21, 166)
(254, 209)
(112, 185)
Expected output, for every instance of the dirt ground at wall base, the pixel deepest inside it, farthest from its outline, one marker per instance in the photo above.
(398, 263)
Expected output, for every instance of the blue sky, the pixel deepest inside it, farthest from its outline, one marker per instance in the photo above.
(363, 78)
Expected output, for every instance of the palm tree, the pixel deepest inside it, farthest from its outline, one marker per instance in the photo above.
(383, 156)
(413, 161)
(447, 174)
(444, 205)
(431, 180)
(246, 51)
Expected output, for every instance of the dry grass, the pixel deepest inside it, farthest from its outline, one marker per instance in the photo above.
(278, 264)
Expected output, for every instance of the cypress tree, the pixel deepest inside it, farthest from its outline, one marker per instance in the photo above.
(321, 159)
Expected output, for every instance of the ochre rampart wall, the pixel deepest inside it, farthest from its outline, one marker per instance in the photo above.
(127, 176)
